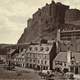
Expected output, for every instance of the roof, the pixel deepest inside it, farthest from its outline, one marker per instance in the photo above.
(12, 51)
(62, 56)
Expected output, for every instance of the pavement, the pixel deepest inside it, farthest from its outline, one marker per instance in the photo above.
(27, 74)
(24, 69)
(19, 74)
(77, 76)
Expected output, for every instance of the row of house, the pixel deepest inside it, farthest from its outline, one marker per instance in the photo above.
(36, 55)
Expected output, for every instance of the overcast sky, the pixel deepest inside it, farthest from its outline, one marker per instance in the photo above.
(14, 15)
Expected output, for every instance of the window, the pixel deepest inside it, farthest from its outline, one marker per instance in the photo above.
(39, 55)
(30, 54)
(34, 55)
(33, 60)
(39, 14)
(18, 59)
(22, 54)
(26, 59)
(27, 54)
(45, 62)
(58, 63)
(21, 59)
(38, 61)
(45, 56)
(46, 22)
(64, 64)
(41, 49)
(30, 60)
(21, 49)
(41, 61)
(51, 19)
(30, 48)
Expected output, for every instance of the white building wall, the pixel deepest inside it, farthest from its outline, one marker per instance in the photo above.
(68, 57)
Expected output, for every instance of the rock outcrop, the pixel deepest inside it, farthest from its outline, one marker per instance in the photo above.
(46, 21)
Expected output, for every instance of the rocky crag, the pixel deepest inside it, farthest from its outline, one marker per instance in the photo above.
(45, 22)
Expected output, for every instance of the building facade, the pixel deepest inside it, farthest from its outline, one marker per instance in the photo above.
(38, 55)
(60, 61)
(19, 58)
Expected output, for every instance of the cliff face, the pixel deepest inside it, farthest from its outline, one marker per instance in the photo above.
(46, 21)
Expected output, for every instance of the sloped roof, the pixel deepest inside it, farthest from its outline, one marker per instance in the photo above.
(62, 56)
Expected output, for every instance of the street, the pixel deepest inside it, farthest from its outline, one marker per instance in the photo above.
(19, 75)
(25, 74)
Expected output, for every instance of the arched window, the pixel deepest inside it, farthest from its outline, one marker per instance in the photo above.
(47, 48)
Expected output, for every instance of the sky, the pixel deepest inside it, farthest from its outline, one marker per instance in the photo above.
(15, 13)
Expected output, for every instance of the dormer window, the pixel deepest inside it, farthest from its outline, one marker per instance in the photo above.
(22, 54)
(47, 48)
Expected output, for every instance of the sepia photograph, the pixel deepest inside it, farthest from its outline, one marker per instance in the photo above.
(39, 39)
